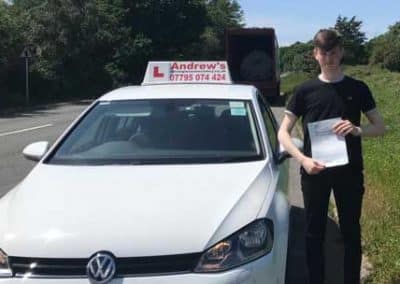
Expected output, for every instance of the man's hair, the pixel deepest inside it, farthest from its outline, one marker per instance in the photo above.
(327, 39)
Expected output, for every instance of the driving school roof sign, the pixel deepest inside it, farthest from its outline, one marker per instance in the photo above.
(179, 72)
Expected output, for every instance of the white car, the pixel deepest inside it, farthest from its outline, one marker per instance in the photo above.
(153, 184)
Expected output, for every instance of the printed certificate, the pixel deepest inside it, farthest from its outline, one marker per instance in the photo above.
(326, 146)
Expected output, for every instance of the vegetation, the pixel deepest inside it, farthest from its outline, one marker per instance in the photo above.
(381, 211)
(84, 48)
(292, 80)
(298, 58)
(353, 39)
(383, 50)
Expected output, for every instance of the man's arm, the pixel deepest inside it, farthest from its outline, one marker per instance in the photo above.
(311, 166)
(375, 127)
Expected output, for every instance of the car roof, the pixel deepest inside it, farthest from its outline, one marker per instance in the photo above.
(187, 91)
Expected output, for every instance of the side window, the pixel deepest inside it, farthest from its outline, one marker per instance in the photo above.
(270, 125)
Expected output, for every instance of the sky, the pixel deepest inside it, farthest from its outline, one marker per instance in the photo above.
(295, 20)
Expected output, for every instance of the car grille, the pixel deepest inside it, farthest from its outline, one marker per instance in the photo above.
(76, 267)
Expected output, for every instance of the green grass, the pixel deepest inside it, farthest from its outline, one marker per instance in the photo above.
(381, 211)
(381, 207)
(292, 80)
(288, 84)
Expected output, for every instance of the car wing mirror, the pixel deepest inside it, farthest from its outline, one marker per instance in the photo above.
(283, 154)
(35, 151)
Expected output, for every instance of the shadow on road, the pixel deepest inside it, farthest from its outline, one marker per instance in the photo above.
(39, 110)
(296, 271)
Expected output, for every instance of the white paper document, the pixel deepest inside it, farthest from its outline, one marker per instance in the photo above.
(326, 146)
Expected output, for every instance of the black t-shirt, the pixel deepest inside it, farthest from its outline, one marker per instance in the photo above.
(316, 100)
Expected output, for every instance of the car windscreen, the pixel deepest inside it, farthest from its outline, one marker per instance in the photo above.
(162, 131)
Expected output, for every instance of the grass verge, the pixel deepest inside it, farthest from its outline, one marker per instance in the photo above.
(292, 80)
(381, 209)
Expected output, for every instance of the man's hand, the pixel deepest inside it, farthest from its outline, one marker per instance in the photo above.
(345, 127)
(311, 166)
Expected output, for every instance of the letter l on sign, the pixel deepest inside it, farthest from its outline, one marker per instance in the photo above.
(157, 73)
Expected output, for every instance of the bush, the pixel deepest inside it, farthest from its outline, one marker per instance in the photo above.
(299, 58)
(385, 52)
(392, 61)
(385, 49)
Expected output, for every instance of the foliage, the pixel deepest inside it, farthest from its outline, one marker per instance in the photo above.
(384, 50)
(83, 48)
(298, 58)
(221, 14)
(72, 41)
(11, 45)
(293, 79)
(353, 39)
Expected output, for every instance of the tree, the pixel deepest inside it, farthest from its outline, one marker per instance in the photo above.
(11, 46)
(394, 30)
(171, 26)
(75, 40)
(6, 27)
(159, 30)
(85, 47)
(384, 50)
(298, 57)
(353, 39)
(224, 14)
(221, 14)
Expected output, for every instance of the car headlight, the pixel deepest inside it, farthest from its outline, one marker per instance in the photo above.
(5, 270)
(249, 243)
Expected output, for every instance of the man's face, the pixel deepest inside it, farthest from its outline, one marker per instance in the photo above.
(329, 60)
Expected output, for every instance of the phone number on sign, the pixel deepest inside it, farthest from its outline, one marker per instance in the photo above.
(197, 77)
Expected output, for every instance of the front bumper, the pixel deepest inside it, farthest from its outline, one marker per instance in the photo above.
(264, 270)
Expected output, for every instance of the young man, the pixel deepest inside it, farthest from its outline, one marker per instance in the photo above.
(332, 95)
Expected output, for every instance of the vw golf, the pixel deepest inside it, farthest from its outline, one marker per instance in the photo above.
(159, 183)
